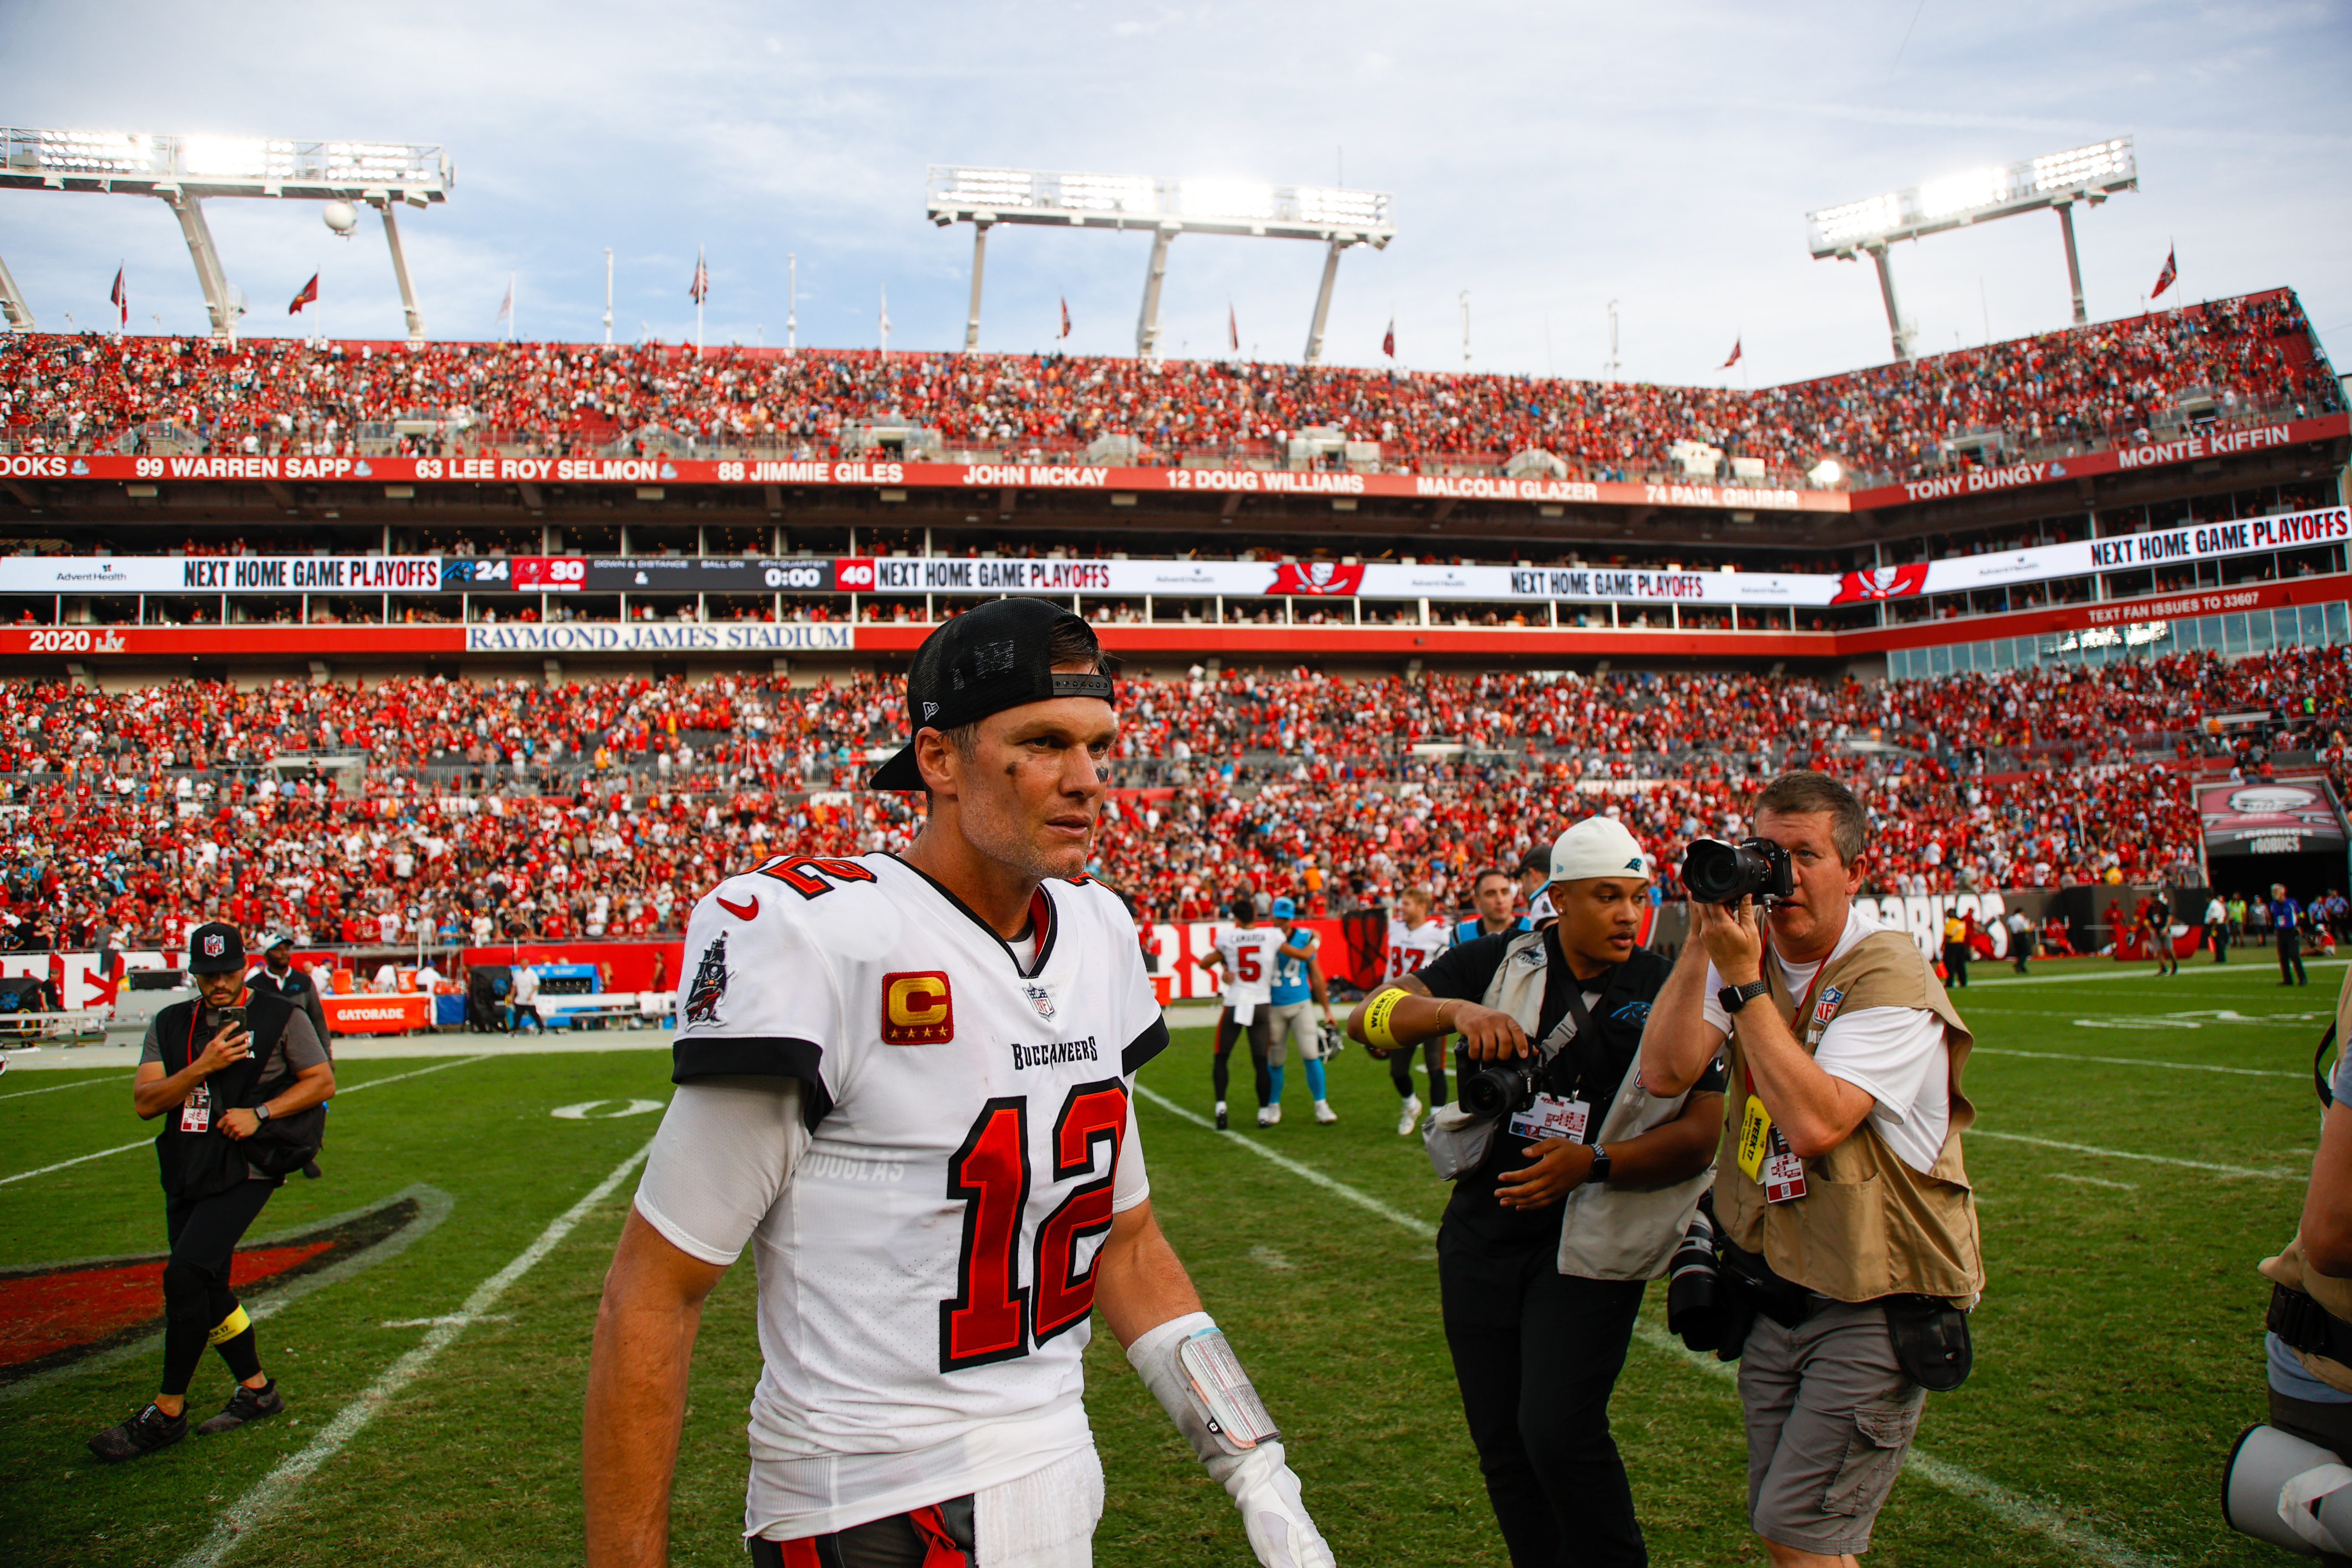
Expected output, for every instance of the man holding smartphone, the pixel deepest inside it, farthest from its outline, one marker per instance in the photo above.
(214, 1068)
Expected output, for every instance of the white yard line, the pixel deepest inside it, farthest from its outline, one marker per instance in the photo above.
(2137, 1062)
(1996, 1499)
(145, 1142)
(282, 1482)
(2272, 1176)
(2269, 966)
(2094, 1181)
(77, 1160)
(52, 1089)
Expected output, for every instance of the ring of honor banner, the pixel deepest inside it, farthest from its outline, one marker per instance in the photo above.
(858, 472)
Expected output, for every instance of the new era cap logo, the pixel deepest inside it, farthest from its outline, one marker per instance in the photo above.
(931, 711)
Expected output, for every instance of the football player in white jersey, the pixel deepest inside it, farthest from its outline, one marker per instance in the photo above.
(1535, 874)
(906, 1083)
(1244, 956)
(1413, 940)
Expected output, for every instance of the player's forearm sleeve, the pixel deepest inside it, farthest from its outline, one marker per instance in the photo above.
(1194, 1374)
(721, 1158)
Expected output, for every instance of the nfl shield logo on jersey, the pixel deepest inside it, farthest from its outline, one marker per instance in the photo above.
(1041, 999)
(709, 985)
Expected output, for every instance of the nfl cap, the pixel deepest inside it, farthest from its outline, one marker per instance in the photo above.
(994, 656)
(1284, 909)
(215, 949)
(1597, 846)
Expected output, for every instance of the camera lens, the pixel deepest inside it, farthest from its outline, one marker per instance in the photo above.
(1713, 872)
(1491, 1090)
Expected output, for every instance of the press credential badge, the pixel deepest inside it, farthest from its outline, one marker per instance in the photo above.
(196, 1110)
(1552, 1117)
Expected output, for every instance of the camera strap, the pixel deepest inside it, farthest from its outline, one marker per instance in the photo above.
(1586, 1040)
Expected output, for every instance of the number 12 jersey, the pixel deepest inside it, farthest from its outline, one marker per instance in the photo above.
(926, 1273)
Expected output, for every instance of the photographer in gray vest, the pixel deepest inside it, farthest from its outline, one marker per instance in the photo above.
(1572, 1188)
(230, 1072)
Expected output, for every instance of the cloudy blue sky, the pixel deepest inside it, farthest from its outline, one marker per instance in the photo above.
(1546, 158)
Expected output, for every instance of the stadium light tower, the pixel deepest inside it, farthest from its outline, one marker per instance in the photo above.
(183, 170)
(2087, 175)
(985, 197)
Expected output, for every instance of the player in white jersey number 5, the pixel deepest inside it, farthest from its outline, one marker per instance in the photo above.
(904, 1085)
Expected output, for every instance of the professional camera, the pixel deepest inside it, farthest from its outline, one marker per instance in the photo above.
(1697, 1300)
(1720, 873)
(2279, 1489)
(1499, 1089)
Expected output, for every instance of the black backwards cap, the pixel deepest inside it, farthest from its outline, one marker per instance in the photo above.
(995, 655)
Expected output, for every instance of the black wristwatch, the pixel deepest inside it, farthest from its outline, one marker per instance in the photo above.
(1600, 1171)
(261, 1112)
(1735, 997)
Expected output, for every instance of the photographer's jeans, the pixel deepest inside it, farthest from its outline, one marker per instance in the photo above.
(1537, 1353)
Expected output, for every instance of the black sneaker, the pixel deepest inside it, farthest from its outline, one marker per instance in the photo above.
(245, 1404)
(143, 1433)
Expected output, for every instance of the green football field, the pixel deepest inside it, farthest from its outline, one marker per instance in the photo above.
(2141, 1144)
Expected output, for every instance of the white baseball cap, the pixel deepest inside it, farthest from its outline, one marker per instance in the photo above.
(1598, 847)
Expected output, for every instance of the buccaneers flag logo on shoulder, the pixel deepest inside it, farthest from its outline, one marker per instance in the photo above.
(708, 987)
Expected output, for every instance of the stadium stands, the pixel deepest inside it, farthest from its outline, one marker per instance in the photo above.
(2230, 362)
(354, 812)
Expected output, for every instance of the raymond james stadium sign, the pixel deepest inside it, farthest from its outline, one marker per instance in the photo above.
(661, 637)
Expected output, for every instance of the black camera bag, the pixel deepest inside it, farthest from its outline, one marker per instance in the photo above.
(1931, 1341)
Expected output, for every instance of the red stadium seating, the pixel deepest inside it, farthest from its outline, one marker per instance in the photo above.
(2235, 361)
(510, 809)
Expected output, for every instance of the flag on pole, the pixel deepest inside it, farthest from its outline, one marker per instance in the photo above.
(506, 305)
(2171, 273)
(1066, 318)
(886, 318)
(121, 295)
(1232, 327)
(1388, 339)
(701, 289)
(1734, 355)
(310, 296)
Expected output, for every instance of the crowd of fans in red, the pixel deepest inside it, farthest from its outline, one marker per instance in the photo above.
(426, 812)
(2086, 386)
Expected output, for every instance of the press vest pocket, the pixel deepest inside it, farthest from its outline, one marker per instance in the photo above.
(1873, 1453)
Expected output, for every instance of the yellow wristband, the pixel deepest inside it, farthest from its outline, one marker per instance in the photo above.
(1376, 1019)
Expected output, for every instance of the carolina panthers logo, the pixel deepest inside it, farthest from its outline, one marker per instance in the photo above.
(709, 985)
(1631, 1013)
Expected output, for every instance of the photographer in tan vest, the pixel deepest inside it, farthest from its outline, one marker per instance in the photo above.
(1846, 1221)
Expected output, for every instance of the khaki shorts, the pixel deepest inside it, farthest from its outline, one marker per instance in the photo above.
(1830, 1415)
(1300, 1021)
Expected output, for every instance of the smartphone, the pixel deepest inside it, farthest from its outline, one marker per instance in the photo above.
(233, 1018)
